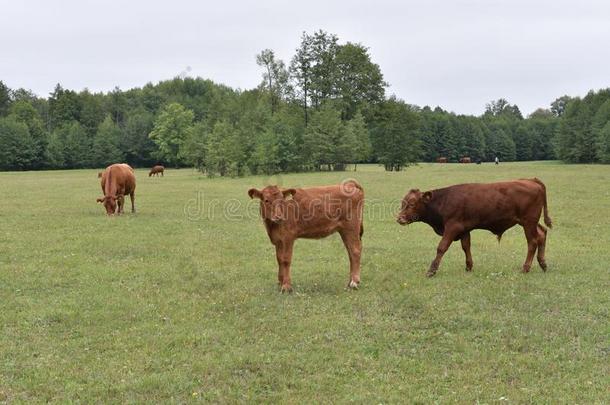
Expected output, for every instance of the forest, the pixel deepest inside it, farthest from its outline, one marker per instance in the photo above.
(324, 110)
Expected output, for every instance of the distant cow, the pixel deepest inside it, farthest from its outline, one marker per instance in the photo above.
(156, 170)
(99, 175)
(312, 213)
(117, 181)
(456, 210)
(441, 159)
(465, 159)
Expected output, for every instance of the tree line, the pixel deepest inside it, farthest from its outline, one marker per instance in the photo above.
(325, 109)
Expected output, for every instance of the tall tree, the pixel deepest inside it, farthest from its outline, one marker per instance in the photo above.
(275, 78)
(106, 144)
(5, 99)
(16, 145)
(394, 135)
(171, 128)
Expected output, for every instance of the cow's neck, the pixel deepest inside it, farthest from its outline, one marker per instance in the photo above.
(433, 215)
(110, 186)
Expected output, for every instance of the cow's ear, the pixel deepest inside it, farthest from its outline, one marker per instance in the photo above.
(99, 200)
(254, 193)
(289, 192)
(427, 196)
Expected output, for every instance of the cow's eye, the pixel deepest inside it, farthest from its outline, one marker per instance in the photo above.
(266, 201)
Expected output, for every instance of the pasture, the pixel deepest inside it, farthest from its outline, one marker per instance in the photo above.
(179, 302)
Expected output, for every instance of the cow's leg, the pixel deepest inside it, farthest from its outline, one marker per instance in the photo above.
(541, 246)
(119, 202)
(283, 252)
(466, 247)
(132, 197)
(443, 245)
(353, 245)
(531, 234)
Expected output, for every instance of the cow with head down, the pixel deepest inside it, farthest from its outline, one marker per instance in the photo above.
(313, 213)
(453, 212)
(118, 180)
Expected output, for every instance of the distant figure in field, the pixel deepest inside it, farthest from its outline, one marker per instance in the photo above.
(117, 181)
(99, 175)
(454, 211)
(497, 160)
(312, 213)
(156, 170)
(441, 159)
(465, 159)
(478, 161)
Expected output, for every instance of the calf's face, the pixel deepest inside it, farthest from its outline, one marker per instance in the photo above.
(413, 206)
(273, 202)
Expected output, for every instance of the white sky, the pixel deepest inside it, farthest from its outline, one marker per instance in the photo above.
(455, 54)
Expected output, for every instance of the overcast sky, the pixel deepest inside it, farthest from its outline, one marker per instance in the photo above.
(455, 54)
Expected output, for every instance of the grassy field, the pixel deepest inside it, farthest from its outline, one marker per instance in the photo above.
(179, 302)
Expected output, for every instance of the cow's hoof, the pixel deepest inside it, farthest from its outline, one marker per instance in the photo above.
(352, 285)
(543, 266)
(525, 269)
(430, 273)
(286, 288)
(469, 269)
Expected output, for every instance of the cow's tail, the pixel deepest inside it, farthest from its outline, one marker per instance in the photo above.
(361, 230)
(547, 219)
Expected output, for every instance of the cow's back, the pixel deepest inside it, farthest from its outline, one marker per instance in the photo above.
(121, 176)
(320, 211)
(493, 206)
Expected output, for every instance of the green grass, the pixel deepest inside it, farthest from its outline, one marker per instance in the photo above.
(176, 305)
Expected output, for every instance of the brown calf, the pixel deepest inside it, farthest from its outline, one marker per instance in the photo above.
(117, 181)
(312, 213)
(456, 210)
(156, 170)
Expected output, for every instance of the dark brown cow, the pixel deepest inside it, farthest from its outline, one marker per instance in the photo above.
(312, 213)
(117, 181)
(465, 159)
(456, 210)
(156, 170)
(441, 159)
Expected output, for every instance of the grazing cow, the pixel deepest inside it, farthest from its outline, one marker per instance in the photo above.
(117, 181)
(441, 159)
(99, 175)
(156, 170)
(465, 159)
(312, 213)
(456, 210)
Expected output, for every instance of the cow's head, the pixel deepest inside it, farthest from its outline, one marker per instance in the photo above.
(413, 206)
(110, 203)
(273, 202)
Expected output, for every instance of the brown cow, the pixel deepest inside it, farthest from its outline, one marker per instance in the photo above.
(465, 159)
(156, 170)
(117, 181)
(456, 210)
(312, 213)
(441, 159)
(99, 175)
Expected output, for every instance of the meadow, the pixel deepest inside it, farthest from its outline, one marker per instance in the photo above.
(179, 302)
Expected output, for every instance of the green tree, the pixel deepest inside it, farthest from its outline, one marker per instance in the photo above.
(394, 135)
(359, 139)
(171, 128)
(275, 78)
(224, 153)
(17, 150)
(358, 81)
(25, 113)
(5, 99)
(106, 144)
